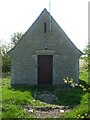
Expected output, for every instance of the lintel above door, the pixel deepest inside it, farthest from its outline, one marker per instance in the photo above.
(44, 52)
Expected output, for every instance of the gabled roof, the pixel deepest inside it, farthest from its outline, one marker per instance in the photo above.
(45, 11)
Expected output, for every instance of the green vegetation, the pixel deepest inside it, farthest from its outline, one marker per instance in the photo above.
(16, 37)
(4, 48)
(15, 98)
(81, 110)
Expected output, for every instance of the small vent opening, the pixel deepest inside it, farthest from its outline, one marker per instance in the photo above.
(45, 27)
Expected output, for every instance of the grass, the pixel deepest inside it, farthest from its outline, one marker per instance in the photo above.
(82, 110)
(70, 97)
(13, 99)
(84, 75)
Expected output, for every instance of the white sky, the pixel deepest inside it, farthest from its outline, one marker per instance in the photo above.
(71, 15)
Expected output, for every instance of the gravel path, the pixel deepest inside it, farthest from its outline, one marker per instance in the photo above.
(47, 112)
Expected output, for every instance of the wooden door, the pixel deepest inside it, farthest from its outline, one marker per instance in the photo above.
(45, 68)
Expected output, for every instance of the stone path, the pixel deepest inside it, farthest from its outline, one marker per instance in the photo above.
(48, 98)
(49, 111)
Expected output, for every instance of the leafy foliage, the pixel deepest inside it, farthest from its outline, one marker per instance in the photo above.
(87, 49)
(16, 37)
(81, 111)
(87, 55)
(5, 58)
(5, 47)
(72, 83)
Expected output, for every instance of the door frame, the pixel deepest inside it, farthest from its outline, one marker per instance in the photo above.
(51, 84)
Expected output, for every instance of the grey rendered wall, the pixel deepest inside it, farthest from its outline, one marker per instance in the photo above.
(24, 56)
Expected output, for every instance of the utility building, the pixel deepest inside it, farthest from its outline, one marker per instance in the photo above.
(44, 55)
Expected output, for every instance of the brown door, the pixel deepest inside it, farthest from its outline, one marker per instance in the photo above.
(45, 63)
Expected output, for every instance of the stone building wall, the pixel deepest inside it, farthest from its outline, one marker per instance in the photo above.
(33, 43)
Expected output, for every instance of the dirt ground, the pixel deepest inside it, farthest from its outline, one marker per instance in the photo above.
(47, 112)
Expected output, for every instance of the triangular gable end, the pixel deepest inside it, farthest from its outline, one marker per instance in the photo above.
(61, 30)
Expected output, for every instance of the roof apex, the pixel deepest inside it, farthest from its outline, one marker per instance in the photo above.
(45, 9)
(48, 13)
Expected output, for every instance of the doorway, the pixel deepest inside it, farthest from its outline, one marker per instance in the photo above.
(45, 69)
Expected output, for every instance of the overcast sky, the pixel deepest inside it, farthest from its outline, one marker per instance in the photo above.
(71, 15)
